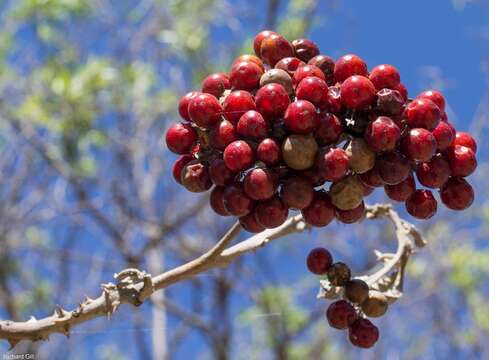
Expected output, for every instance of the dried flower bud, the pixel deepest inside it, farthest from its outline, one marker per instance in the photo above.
(361, 157)
(277, 76)
(299, 151)
(339, 274)
(356, 291)
(376, 304)
(347, 193)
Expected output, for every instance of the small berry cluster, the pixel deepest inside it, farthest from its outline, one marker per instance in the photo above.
(358, 300)
(277, 127)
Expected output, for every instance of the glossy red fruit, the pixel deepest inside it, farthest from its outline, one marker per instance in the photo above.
(462, 160)
(219, 173)
(367, 190)
(272, 100)
(401, 191)
(253, 125)
(349, 65)
(457, 194)
(236, 104)
(222, 134)
(180, 138)
(216, 84)
(297, 192)
(389, 102)
(195, 177)
(326, 64)
(235, 201)
(363, 333)
(183, 104)
(178, 166)
(385, 76)
(314, 90)
(321, 211)
(357, 92)
(249, 223)
(305, 71)
(238, 155)
(433, 173)
(269, 152)
(422, 113)
(300, 117)
(351, 216)
(419, 145)
(319, 260)
(274, 48)
(334, 100)
(435, 96)
(245, 75)
(393, 167)
(421, 204)
(204, 110)
(372, 178)
(403, 91)
(329, 129)
(271, 213)
(305, 49)
(259, 184)
(259, 38)
(382, 134)
(444, 135)
(290, 65)
(251, 58)
(333, 164)
(216, 201)
(465, 139)
(341, 314)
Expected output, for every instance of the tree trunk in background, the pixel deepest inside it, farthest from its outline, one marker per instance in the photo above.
(158, 335)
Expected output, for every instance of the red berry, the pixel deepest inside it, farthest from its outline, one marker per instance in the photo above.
(372, 178)
(300, 117)
(219, 173)
(314, 90)
(367, 190)
(349, 65)
(357, 92)
(195, 177)
(236, 104)
(363, 333)
(272, 100)
(329, 128)
(434, 173)
(236, 202)
(259, 38)
(435, 96)
(462, 160)
(259, 184)
(216, 84)
(216, 201)
(305, 49)
(205, 110)
(333, 164)
(269, 152)
(341, 314)
(393, 167)
(403, 91)
(180, 138)
(319, 261)
(457, 194)
(290, 65)
(382, 134)
(351, 216)
(422, 113)
(465, 139)
(238, 155)
(297, 192)
(334, 100)
(274, 48)
(253, 125)
(245, 76)
(419, 144)
(183, 104)
(401, 191)
(222, 134)
(389, 102)
(305, 71)
(326, 64)
(321, 211)
(385, 76)
(421, 204)
(249, 223)
(178, 166)
(444, 135)
(271, 213)
(251, 58)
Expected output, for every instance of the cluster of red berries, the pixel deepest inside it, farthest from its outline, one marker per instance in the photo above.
(358, 300)
(269, 134)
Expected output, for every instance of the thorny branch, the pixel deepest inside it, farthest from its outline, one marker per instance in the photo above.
(133, 286)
